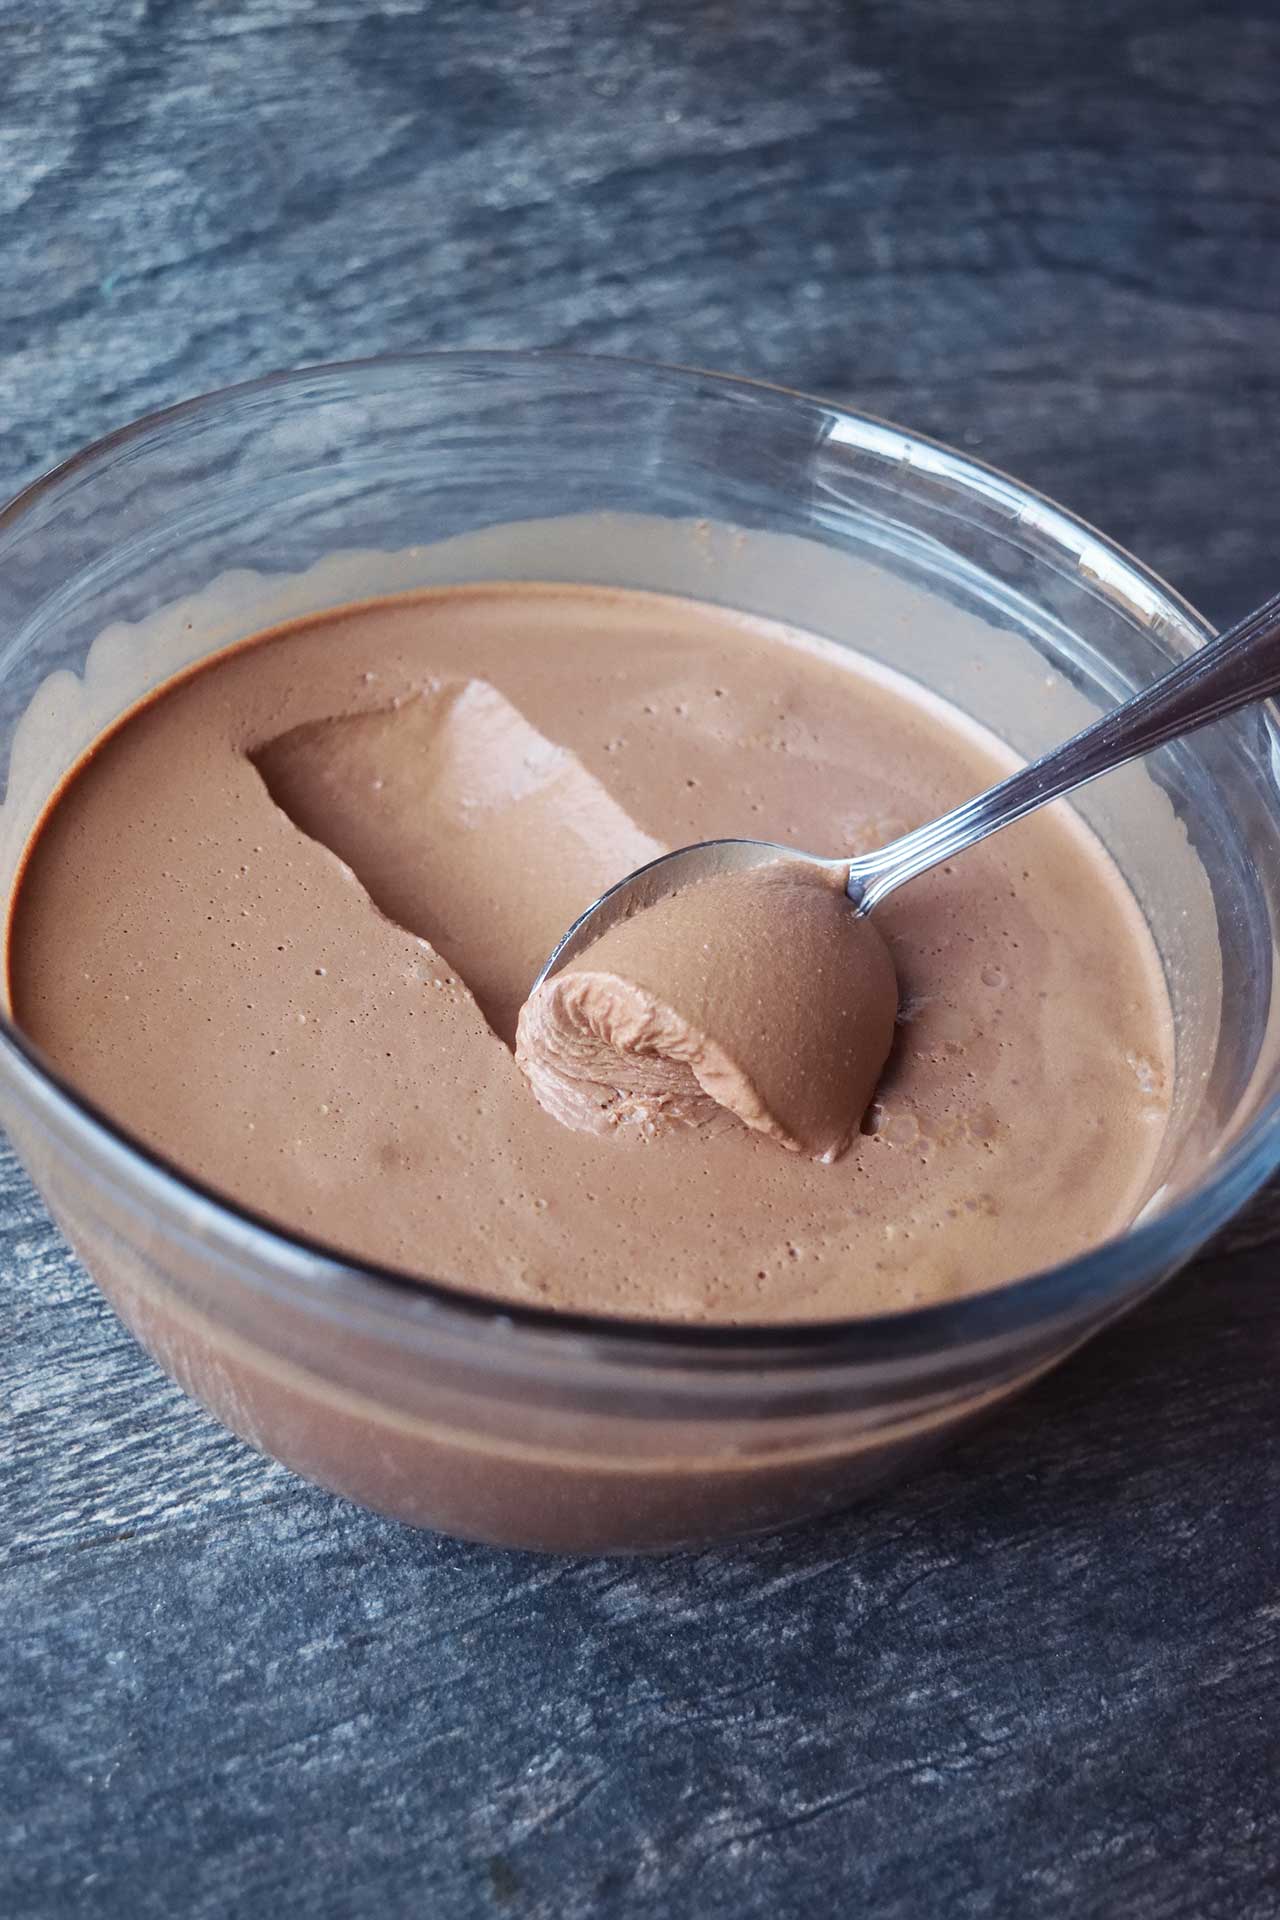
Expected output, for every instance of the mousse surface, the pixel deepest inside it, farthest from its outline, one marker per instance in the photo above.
(281, 921)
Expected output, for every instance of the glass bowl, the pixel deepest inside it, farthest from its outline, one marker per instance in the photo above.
(197, 526)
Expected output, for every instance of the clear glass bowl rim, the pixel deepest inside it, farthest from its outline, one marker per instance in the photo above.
(1088, 1287)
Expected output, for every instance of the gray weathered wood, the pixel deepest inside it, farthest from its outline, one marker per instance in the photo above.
(1040, 1680)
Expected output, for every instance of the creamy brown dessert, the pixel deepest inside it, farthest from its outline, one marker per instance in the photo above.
(281, 923)
(753, 996)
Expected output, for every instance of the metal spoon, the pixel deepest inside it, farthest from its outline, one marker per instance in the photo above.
(1240, 666)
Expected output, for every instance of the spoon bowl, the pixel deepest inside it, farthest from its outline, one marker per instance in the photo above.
(669, 873)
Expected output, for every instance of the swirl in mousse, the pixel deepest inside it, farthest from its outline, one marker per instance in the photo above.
(756, 996)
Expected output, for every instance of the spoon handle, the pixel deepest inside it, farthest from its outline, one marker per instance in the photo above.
(1241, 665)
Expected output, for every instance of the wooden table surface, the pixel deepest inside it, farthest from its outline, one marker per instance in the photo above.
(1042, 1679)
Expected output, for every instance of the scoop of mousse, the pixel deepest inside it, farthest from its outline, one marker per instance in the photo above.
(755, 997)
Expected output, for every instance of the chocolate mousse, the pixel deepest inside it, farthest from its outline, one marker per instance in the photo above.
(756, 995)
(281, 921)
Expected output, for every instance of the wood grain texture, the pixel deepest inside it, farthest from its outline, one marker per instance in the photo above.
(1041, 1680)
